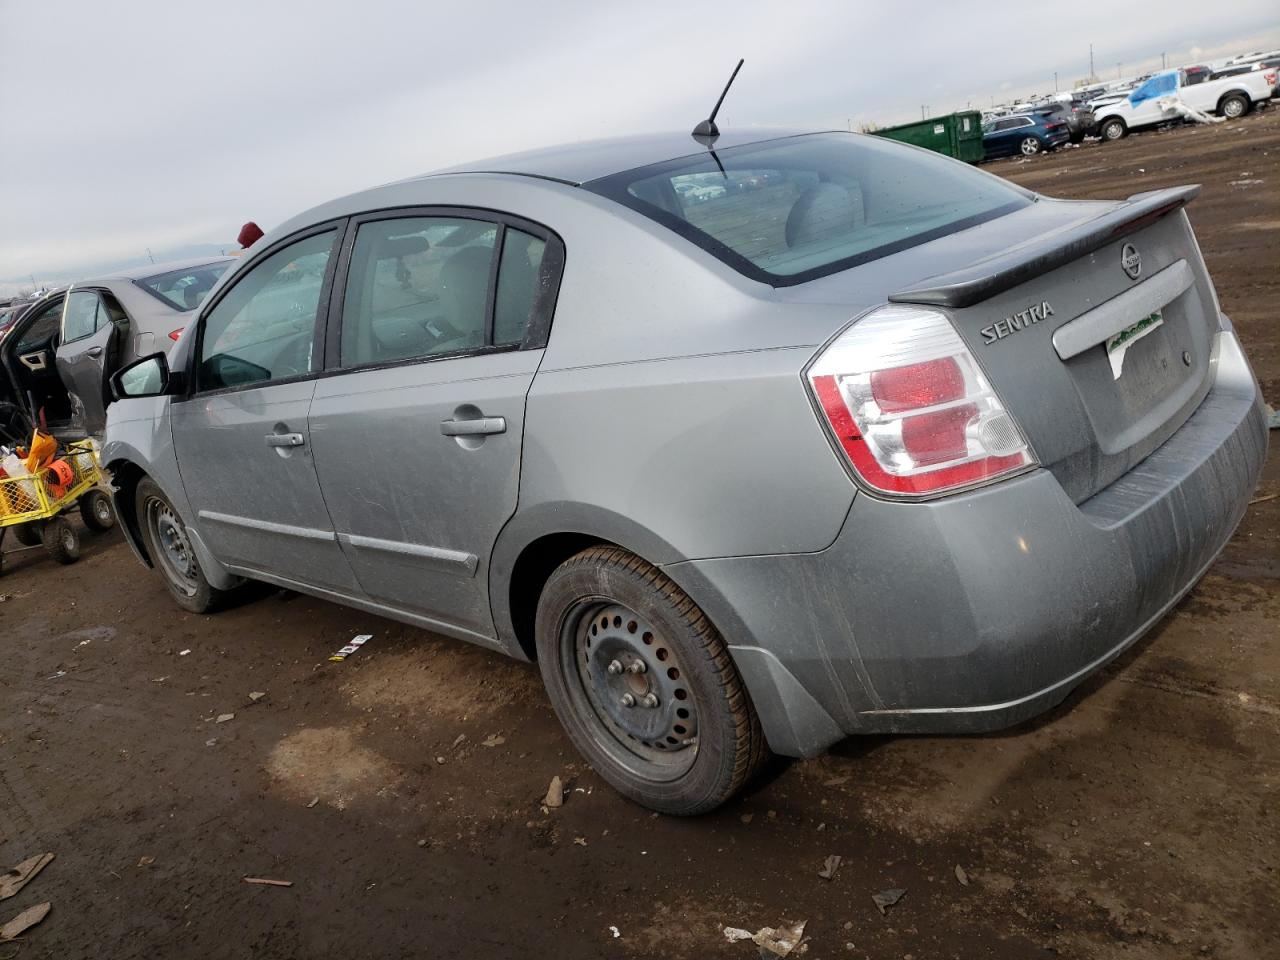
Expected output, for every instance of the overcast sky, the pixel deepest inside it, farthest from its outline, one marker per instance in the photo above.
(158, 123)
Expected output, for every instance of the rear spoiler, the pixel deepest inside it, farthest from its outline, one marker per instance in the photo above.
(1006, 270)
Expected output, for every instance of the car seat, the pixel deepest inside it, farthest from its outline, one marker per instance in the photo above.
(824, 211)
(464, 290)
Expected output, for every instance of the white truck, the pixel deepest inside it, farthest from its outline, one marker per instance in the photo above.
(1167, 96)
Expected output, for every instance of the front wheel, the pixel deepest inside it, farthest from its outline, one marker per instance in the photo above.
(169, 546)
(1030, 146)
(1114, 129)
(1233, 106)
(644, 685)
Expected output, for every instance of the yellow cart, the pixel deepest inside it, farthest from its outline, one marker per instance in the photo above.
(34, 506)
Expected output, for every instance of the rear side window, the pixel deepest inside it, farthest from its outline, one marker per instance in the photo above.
(786, 211)
(423, 287)
(185, 289)
(418, 287)
(518, 285)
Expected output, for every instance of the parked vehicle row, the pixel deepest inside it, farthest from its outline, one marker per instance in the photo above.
(743, 469)
(1164, 97)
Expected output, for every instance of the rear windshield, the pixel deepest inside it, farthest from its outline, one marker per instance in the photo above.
(786, 211)
(185, 289)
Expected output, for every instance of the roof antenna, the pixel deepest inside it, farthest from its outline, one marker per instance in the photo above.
(707, 131)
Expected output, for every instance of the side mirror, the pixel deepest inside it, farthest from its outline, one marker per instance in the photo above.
(148, 377)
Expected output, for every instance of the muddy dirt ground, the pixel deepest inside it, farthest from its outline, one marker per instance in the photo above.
(399, 791)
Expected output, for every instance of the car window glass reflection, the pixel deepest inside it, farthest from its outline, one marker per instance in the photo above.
(264, 328)
(418, 287)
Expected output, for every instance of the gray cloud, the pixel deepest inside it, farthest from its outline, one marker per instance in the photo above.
(157, 124)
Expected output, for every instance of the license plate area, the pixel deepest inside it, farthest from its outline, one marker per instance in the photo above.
(1136, 380)
(1117, 347)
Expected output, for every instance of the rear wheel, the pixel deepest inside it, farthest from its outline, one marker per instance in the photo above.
(1233, 106)
(61, 542)
(96, 511)
(644, 685)
(1030, 146)
(1113, 129)
(169, 546)
(27, 534)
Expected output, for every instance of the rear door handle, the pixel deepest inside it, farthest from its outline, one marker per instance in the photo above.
(480, 426)
(285, 440)
(94, 351)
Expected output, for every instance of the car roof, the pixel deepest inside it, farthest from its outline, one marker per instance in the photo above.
(153, 269)
(578, 163)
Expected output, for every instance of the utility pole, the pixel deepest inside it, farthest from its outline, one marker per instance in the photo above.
(149, 256)
(1163, 65)
(1118, 66)
(1092, 75)
(1055, 81)
(924, 111)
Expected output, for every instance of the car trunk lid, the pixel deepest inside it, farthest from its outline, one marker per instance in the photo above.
(1098, 336)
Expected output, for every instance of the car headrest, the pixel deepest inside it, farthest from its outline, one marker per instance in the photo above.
(824, 211)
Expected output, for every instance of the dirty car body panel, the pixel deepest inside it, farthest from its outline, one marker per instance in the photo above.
(669, 407)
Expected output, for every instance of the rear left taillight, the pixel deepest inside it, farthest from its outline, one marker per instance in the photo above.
(175, 334)
(909, 407)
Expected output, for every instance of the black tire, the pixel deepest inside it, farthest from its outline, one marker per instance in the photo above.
(27, 534)
(165, 537)
(1113, 128)
(1030, 146)
(1077, 136)
(97, 511)
(701, 740)
(60, 540)
(1233, 106)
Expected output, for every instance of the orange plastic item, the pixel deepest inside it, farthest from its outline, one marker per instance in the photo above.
(43, 447)
(61, 477)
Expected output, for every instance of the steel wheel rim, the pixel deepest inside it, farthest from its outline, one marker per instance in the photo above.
(1030, 147)
(656, 736)
(1113, 131)
(175, 554)
(1233, 108)
(67, 539)
(102, 509)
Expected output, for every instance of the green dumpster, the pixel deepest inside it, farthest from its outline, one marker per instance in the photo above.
(957, 135)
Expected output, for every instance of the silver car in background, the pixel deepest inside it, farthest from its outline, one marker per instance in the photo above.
(59, 353)
(751, 446)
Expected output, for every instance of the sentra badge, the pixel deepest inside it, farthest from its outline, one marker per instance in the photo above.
(1018, 321)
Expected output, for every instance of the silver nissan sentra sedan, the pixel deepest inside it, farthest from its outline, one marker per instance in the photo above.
(751, 446)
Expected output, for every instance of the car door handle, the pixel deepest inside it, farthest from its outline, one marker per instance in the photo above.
(285, 440)
(94, 351)
(480, 426)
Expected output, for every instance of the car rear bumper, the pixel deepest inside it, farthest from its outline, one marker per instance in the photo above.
(977, 611)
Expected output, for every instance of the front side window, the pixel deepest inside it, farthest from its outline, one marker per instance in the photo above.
(185, 289)
(39, 333)
(264, 328)
(82, 315)
(786, 211)
(418, 287)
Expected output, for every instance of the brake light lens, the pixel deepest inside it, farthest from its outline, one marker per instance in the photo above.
(909, 407)
(175, 334)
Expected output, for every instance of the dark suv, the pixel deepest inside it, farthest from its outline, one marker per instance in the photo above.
(1074, 113)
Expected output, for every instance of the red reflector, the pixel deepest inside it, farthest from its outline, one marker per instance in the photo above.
(175, 334)
(938, 436)
(917, 385)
